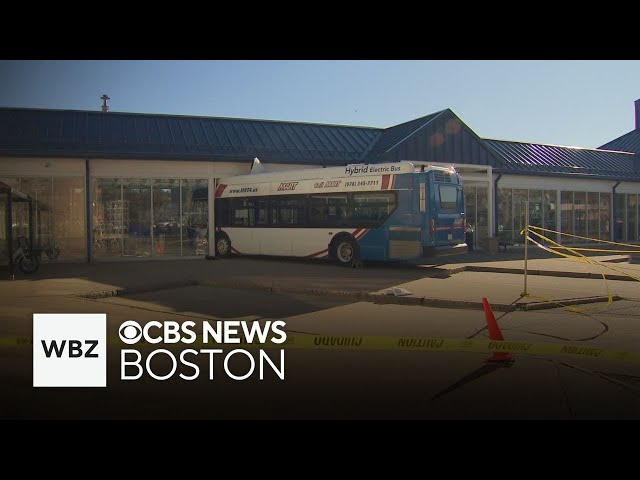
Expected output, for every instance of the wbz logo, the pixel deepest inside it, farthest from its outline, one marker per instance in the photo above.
(75, 348)
(69, 350)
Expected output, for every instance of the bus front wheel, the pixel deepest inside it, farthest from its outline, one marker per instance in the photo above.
(345, 251)
(223, 246)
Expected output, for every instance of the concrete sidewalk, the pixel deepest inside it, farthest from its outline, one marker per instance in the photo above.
(453, 285)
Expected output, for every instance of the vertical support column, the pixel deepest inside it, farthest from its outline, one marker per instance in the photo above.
(153, 247)
(491, 202)
(10, 233)
(212, 219)
(122, 220)
(30, 223)
(526, 246)
(88, 210)
(558, 215)
(181, 221)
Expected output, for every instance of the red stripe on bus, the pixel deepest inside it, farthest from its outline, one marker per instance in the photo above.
(220, 189)
(236, 251)
(362, 233)
(385, 182)
(317, 253)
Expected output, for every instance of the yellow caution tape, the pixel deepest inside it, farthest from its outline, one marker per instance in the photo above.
(402, 343)
(577, 257)
(532, 227)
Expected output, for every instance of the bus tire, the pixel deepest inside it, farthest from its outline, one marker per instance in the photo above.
(223, 245)
(345, 251)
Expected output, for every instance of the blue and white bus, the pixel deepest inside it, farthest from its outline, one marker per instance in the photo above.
(381, 212)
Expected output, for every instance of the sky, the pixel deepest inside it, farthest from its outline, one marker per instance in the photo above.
(578, 103)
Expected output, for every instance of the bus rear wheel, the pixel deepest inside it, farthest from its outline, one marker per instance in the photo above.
(345, 251)
(223, 246)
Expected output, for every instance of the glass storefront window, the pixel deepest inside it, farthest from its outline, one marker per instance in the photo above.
(593, 215)
(136, 207)
(41, 190)
(580, 215)
(505, 214)
(535, 208)
(566, 216)
(4, 255)
(69, 229)
(550, 208)
(620, 221)
(167, 227)
(605, 216)
(108, 217)
(46, 217)
(195, 217)
(144, 217)
(482, 212)
(520, 198)
(59, 219)
(632, 217)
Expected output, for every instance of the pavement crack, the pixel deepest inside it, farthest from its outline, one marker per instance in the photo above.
(563, 388)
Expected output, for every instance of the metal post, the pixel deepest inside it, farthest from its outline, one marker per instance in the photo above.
(491, 194)
(151, 220)
(526, 246)
(88, 204)
(30, 223)
(10, 233)
(180, 188)
(211, 231)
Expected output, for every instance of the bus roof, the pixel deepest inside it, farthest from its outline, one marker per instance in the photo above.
(351, 170)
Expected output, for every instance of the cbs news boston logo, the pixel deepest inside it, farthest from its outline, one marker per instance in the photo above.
(69, 350)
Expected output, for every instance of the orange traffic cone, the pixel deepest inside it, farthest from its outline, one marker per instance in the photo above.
(494, 334)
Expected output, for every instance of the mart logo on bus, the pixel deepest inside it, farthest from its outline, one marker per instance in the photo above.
(287, 186)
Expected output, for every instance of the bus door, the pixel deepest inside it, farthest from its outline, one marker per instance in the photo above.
(447, 214)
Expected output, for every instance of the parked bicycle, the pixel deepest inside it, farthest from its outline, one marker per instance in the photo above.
(27, 259)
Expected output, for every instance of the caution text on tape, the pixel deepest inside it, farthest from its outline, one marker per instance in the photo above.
(397, 343)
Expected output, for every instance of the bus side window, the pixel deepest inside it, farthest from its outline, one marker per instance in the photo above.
(288, 210)
(262, 213)
(242, 212)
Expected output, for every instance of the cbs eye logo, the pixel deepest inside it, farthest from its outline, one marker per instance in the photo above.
(130, 332)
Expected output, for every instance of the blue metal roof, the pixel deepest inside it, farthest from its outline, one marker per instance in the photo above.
(629, 142)
(536, 158)
(133, 135)
(91, 134)
(392, 136)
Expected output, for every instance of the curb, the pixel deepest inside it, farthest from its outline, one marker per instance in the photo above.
(133, 290)
(377, 298)
(567, 302)
(548, 273)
